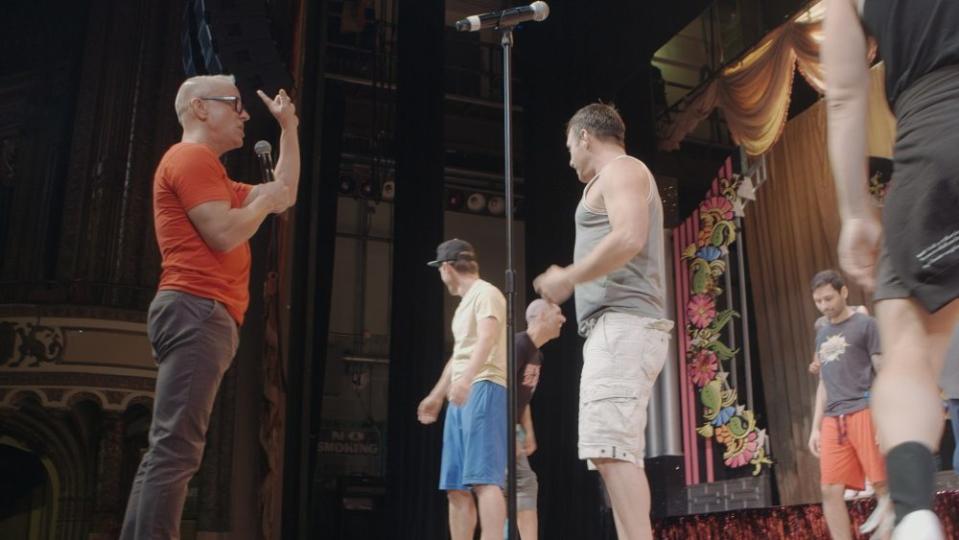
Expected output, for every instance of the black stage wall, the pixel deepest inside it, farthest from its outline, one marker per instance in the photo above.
(415, 507)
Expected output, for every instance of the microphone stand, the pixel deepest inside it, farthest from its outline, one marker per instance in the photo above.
(506, 41)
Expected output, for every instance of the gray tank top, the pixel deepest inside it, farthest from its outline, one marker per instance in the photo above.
(638, 287)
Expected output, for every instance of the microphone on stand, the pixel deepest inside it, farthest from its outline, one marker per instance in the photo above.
(264, 151)
(537, 11)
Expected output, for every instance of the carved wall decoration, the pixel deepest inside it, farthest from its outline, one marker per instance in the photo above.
(14, 396)
(30, 345)
(82, 448)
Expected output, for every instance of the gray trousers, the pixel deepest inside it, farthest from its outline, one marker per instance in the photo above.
(194, 340)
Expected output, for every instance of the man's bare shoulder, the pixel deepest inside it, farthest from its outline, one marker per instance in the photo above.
(628, 164)
(627, 174)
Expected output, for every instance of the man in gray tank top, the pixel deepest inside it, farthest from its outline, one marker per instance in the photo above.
(618, 276)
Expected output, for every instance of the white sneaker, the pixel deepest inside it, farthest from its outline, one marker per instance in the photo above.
(919, 525)
(882, 519)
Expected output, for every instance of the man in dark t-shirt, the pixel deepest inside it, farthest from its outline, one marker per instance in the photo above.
(843, 436)
(543, 323)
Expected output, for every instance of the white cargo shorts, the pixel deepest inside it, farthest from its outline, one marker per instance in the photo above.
(622, 357)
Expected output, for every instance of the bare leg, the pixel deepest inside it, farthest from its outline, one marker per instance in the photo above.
(629, 494)
(462, 515)
(835, 512)
(527, 523)
(905, 404)
(617, 522)
(492, 511)
(914, 344)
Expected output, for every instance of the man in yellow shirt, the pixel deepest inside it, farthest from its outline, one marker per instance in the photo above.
(474, 380)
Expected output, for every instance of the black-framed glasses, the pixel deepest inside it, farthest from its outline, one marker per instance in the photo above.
(235, 100)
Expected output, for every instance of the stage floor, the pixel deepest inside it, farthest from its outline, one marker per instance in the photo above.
(793, 522)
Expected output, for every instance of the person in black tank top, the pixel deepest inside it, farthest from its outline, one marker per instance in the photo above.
(911, 258)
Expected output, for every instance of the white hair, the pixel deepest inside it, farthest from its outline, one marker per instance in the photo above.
(193, 88)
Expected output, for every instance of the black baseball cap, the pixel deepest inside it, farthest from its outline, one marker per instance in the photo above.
(453, 250)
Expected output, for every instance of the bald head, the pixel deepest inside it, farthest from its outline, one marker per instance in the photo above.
(543, 321)
(535, 309)
(199, 86)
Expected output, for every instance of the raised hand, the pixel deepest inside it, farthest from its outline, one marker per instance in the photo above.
(282, 108)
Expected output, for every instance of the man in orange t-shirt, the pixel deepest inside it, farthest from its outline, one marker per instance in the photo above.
(203, 222)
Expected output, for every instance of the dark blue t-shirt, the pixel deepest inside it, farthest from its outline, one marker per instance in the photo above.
(845, 351)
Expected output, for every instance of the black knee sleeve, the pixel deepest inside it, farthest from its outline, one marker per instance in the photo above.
(911, 469)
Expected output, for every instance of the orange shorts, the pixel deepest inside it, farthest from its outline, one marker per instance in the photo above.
(849, 453)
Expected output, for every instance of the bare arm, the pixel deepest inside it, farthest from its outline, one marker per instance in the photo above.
(844, 53)
(847, 86)
(815, 366)
(819, 407)
(818, 410)
(287, 168)
(876, 362)
(224, 228)
(288, 164)
(527, 422)
(625, 199)
(428, 410)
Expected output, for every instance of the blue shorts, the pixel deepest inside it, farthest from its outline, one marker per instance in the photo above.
(474, 440)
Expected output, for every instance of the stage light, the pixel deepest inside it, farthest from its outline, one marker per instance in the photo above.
(346, 185)
(496, 206)
(366, 189)
(389, 190)
(454, 199)
(476, 202)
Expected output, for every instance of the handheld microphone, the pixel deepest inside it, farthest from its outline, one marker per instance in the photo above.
(537, 11)
(264, 151)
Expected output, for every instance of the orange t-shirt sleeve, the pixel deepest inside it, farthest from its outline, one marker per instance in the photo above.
(196, 176)
(241, 190)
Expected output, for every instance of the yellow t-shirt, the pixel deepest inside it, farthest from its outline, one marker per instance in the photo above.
(480, 301)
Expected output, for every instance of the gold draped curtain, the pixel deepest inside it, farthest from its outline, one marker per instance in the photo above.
(754, 92)
(791, 232)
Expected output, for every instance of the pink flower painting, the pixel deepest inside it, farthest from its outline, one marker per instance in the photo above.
(703, 368)
(701, 310)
